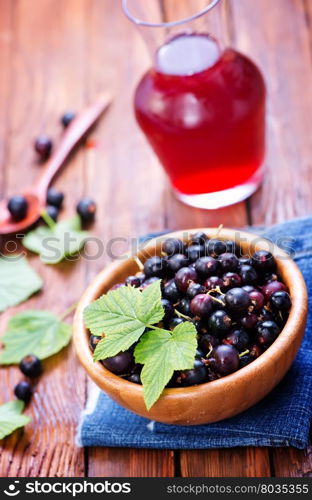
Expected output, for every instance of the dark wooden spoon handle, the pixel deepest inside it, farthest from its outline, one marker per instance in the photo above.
(75, 131)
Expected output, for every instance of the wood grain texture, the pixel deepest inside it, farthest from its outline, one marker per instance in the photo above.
(125, 177)
(236, 462)
(39, 93)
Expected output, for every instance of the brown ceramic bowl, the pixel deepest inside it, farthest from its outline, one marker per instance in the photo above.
(215, 400)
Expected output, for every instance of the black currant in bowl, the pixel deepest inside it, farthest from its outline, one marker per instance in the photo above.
(249, 317)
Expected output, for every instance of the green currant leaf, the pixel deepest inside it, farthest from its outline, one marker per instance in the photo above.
(123, 315)
(60, 240)
(37, 332)
(18, 281)
(163, 352)
(11, 417)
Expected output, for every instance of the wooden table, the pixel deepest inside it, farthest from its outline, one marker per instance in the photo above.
(57, 55)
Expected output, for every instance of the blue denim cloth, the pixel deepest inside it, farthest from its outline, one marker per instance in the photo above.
(281, 419)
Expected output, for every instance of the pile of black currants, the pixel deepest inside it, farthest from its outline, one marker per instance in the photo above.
(238, 304)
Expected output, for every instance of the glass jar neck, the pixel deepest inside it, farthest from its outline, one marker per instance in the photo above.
(162, 22)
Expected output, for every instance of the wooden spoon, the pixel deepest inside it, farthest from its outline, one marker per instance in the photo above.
(37, 193)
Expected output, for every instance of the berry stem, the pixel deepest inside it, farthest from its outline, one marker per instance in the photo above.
(178, 313)
(244, 353)
(138, 262)
(47, 219)
(68, 311)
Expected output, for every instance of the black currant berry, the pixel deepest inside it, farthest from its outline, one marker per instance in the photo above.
(280, 301)
(206, 266)
(184, 307)
(238, 338)
(267, 332)
(272, 287)
(215, 247)
(194, 252)
(194, 289)
(67, 118)
(175, 322)
(55, 198)
(199, 238)
(231, 280)
(228, 262)
(225, 359)
(171, 292)
(120, 364)
(177, 261)
(168, 308)
(237, 300)
(52, 212)
(219, 323)
(263, 261)
(173, 246)
(207, 342)
(86, 209)
(43, 146)
(135, 281)
(93, 341)
(197, 375)
(18, 207)
(155, 267)
(135, 378)
(184, 277)
(31, 366)
(23, 391)
(202, 305)
(213, 282)
(248, 274)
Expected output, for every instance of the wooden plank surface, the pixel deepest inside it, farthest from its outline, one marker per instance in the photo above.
(59, 55)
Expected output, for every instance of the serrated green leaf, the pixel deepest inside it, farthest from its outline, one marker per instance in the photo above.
(123, 315)
(162, 353)
(18, 281)
(33, 332)
(11, 417)
(55, 243)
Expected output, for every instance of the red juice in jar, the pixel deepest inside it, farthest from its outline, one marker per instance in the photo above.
(203, 112)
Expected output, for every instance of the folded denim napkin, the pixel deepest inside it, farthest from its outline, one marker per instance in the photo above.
(281, 419)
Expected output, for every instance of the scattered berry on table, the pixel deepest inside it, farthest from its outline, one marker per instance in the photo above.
(18, 207)
(43, 147)
(31, 366)
(55, 198)
(86, 209)
(67, 118)
(52, 212)
(23, 390)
